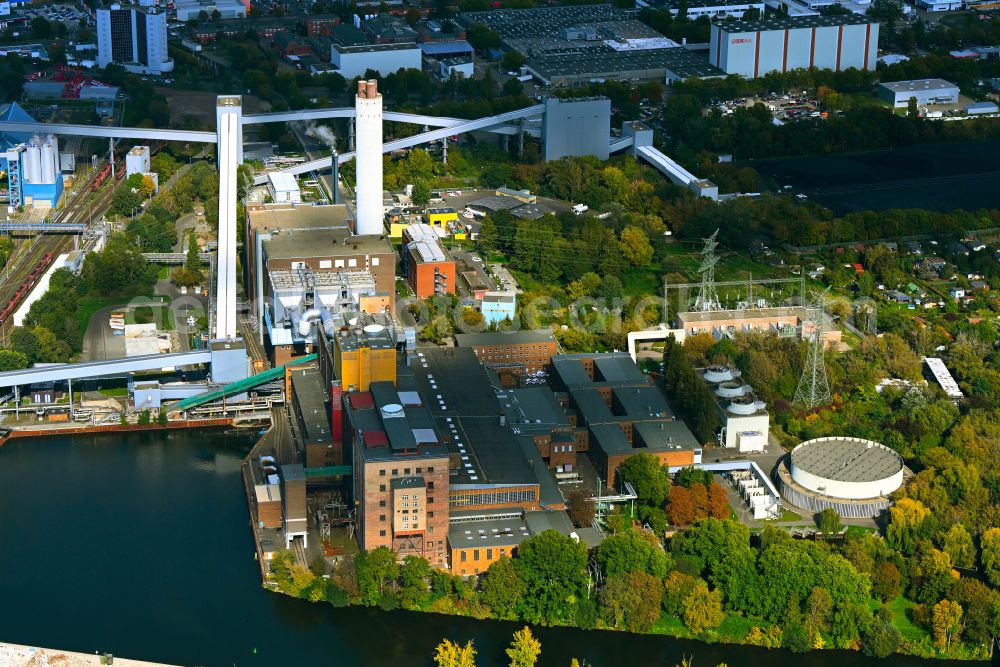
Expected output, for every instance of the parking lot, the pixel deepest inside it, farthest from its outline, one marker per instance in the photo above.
(56, 13)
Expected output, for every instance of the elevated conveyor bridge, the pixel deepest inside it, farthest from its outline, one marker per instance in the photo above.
(240, 386)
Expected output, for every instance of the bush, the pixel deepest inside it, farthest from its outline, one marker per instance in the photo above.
(388, 601)
(336, 595)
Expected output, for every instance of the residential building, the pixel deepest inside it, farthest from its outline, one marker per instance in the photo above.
(133, 37)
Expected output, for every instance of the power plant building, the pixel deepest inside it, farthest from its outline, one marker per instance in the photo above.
(744, 419)
(623, 413)
(579, 126)
(755, 48)
(133, 37)
(307, 269)
(853, 476)
(33, 173)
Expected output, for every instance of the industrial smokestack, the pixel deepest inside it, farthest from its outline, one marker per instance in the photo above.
(368, 128)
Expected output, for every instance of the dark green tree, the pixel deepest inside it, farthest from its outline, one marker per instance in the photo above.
(647, 477)
(502, 589)
(553, 567)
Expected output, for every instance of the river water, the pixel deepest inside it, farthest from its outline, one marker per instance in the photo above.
(140, 546)
(939, 177)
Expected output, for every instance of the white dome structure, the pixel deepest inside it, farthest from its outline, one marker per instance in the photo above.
(851, 475)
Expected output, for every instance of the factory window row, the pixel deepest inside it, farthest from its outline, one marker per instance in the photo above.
(460, 499)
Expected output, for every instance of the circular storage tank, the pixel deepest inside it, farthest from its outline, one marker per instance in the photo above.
(716, 374)
(846, 468)
(732, 389)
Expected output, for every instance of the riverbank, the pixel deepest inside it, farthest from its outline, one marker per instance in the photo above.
(16, 655)
(45, 430)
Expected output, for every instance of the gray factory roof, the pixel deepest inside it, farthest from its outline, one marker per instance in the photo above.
(533, 405)
(376, 48)
(643, 402)
(609, 367)
(308, 393)
(604, 61)
(381, 338)
(791, 23)
(461, 399)
(846, 459)
(665, 436)
(297, 244)
(918, 85)
(272, 217)
(489, 338)
(382, 436)
(676, 4)
(487, 534)
(545, 20)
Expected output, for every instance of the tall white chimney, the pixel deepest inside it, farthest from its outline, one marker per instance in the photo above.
(368, 132)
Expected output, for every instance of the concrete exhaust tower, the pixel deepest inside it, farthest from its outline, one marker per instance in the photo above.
(368, 107)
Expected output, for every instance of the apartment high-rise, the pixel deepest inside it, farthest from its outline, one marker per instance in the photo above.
(134, 37)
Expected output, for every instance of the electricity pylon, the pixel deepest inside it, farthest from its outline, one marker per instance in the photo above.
(814, 386)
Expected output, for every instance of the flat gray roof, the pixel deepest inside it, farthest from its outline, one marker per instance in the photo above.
(918, 85)
(791, 22)
(302, 216)
(324, 243)
(487, 534)
(847, 459)
(490, 338)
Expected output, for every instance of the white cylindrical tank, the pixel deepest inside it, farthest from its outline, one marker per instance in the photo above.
(33, 164)
(368, 139)
(49, 163)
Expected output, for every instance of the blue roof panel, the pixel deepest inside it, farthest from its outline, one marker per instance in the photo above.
(437, 48)
(13, 113)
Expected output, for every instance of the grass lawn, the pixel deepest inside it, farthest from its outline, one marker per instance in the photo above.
(900, 618)
(641, 282)
(858, 531)
(670, 625)
(787, 515)
(734, 627)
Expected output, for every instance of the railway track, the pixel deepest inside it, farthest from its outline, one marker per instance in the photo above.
(32, 249)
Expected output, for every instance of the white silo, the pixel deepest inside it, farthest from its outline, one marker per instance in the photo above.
(368, 133)
(49, 163)
(32, 169)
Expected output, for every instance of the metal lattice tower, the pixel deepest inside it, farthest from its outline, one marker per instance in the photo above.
(708, 298)
(814, 386)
